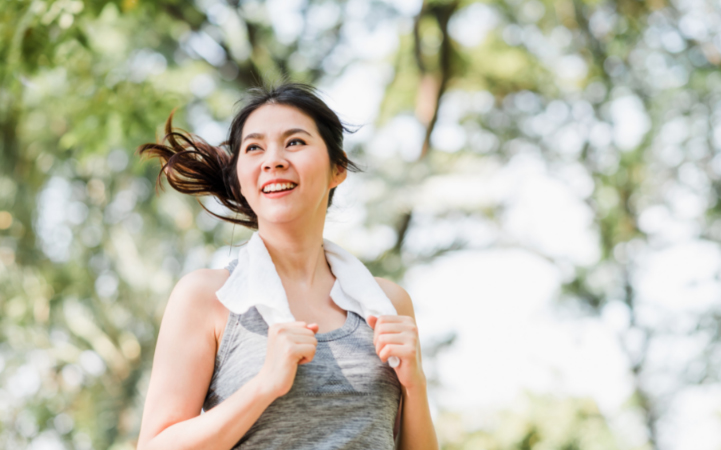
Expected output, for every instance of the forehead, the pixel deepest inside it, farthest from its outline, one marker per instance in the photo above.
(273, 119)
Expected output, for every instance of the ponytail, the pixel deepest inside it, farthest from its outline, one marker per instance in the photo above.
(192, 166)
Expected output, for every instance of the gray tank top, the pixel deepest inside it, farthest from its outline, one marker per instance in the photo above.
(346, 398)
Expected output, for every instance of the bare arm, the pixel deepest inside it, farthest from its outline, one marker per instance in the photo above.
(182, 368)
(417, 431)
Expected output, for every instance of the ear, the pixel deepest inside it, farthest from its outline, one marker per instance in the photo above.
(339, 175)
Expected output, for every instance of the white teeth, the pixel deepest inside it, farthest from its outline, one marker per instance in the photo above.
(278, 187)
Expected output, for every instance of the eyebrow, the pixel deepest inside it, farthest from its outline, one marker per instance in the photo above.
(286, 133)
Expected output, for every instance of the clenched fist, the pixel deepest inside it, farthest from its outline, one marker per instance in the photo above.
(289, 344)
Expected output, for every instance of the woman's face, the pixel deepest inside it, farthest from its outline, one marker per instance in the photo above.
(282, 150)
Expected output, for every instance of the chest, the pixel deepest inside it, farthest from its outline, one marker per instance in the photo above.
(345, 397)
(315, 305)
(345, 361)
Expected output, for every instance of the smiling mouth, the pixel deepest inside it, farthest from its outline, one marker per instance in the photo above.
(278, 187)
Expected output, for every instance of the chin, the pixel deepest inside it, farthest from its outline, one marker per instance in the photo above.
(281, 217)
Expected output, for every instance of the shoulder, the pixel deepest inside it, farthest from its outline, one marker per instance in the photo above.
(202, 283)
(398, 296)
(194, 296)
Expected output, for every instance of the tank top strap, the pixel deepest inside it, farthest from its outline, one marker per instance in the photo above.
(231, 265)
(231, 326)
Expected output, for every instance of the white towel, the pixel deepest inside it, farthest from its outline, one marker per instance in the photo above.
(255, 282)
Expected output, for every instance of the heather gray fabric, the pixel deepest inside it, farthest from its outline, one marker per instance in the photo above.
(345, 399)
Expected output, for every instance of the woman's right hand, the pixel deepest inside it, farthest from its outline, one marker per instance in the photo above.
(289, 344)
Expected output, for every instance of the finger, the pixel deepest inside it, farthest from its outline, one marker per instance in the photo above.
(304, 339)
(396, 324)
(390, 318)
(392, 350)
(300, 331)
(302, 326)
(393, 327)
(374, 321)
(306, 359)
(394, 338)
(305, 351)
(389, 328)
(284, 327)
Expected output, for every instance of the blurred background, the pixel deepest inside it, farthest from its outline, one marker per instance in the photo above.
(541, 176)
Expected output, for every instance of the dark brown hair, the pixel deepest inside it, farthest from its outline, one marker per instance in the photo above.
(192, 166)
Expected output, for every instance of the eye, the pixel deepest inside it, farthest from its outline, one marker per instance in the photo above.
(250, 147)
(297, 140)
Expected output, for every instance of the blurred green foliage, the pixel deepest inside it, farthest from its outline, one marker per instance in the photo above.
(541, 423)
(89, 253)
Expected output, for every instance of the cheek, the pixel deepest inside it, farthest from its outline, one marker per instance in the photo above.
(315, 170)
(316, 179)
(245, 178)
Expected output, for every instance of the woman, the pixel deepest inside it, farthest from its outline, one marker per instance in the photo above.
(260, 386)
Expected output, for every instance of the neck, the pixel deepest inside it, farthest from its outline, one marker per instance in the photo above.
(297, 252)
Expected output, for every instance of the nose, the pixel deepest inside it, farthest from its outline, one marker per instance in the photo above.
(275, 158)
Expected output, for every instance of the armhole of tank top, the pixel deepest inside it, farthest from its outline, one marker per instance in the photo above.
(231, 327)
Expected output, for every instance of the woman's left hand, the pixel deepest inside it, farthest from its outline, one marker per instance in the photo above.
(398, 336)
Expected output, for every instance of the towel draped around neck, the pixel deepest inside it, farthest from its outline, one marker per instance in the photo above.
(255, 282)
